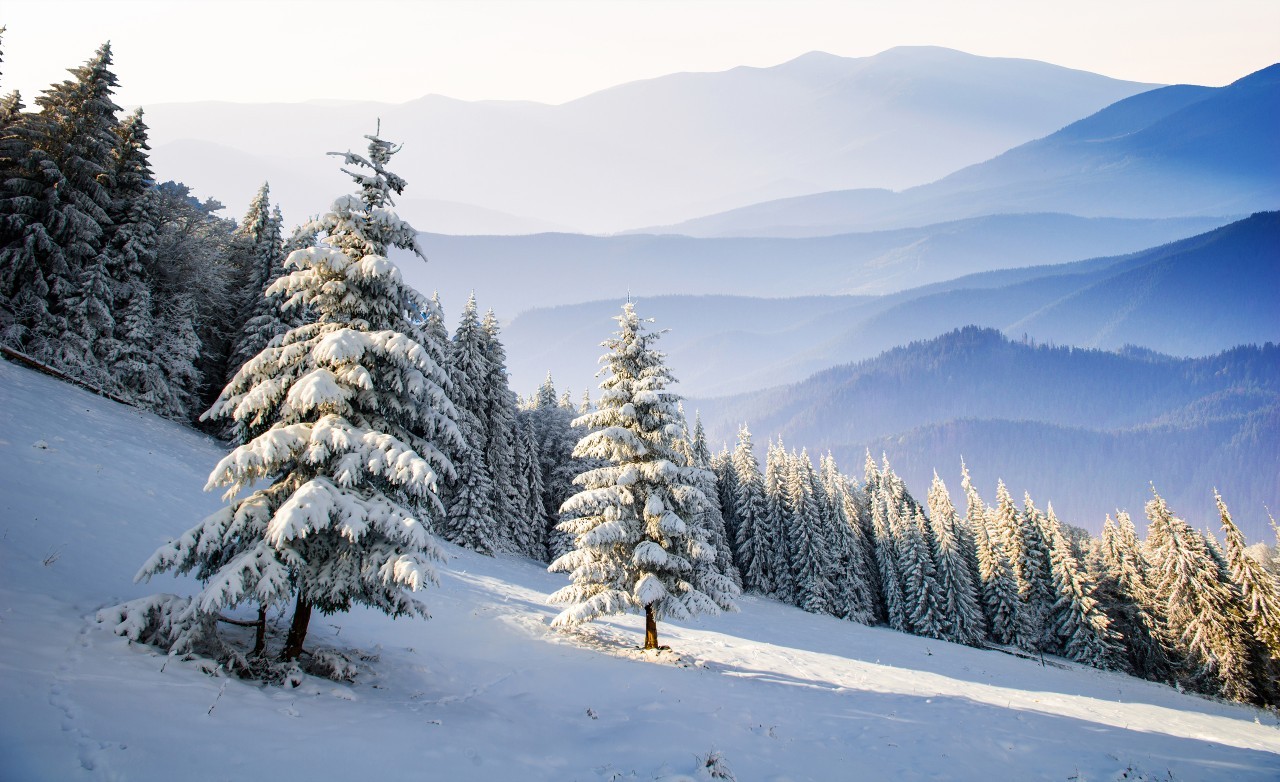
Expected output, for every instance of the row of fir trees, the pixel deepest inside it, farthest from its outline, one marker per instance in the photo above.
(1178, 607)
(364, 429)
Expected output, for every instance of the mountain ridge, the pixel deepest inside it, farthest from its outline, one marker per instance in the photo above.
(1176, 150)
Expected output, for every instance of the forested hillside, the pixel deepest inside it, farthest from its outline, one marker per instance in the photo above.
(1088, 429)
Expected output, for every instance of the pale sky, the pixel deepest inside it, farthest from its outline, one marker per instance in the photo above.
(556, 50)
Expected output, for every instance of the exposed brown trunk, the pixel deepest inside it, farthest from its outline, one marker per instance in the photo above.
(297, 630)
(260, 634)
(650, 628)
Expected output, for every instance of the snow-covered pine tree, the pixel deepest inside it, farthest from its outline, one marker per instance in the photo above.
(1082, 630)
(1034, 567)
(778, 521)
(471, 519)
(711, 519)
(636, 547)
(1130, 602)
(852, 597)
(336, 402)
(554, 437)
(54, 210)
(968, 526)
(963, 621)
(132, 245)
(1019, 535)
(260, 239)
(810, 553)
(755, 546)
(1260, 600)
(500, 433)
(921, 593)
(1210, 636)
(727, 491)
(531, 534)
(1000, 601)
(886, 548)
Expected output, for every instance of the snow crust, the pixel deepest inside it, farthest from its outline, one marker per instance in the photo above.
(487, 689)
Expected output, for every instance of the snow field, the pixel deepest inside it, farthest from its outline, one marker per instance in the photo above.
(486, 690)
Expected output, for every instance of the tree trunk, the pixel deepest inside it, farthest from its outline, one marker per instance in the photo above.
(297, 630)
(650, 629)
(260, 634)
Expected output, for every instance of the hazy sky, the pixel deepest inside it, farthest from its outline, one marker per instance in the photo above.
(553, 51)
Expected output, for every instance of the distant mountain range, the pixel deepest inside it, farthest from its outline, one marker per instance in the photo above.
(516, 273)
(649, 152)
(1175, 151)
(1196, 296)
(1086, 429)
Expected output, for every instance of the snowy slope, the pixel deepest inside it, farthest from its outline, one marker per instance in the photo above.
(485, 690)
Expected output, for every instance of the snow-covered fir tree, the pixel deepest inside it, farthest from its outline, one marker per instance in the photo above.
(1258, 588)
(711, 519)
(810, 552)
(554, 439)
(636, 546)
(1000, 602)
(1199, 607)
(54, 205)
(755, 545)
(1122, 575)
(132, 245)
(885, 546)
(260, 240)
(921, 593)
(530, 535)
(1258, 594)
(963, 621)
(342, 479)
(778, 520)
(499, 420)
(853, 597)
(1082, 630)
(1019, 536)
(727, 491)
(472, 520)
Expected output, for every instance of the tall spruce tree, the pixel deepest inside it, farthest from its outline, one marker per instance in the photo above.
(810, 552)
(1129, 599)
(134, 363)
(1082, 630)
(712, 518)
(1200, 613)
(554, 438)
(778, 520)
(885, 546)
(1259, 595)
(500, 432)
(530, 534)
(260, 239)
(963, 621)
(1000, 601)
(636, 546)
(337, 402)
(55, 209)
(755, 544)
(853, 596)
(472, 520)
(922, 594)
